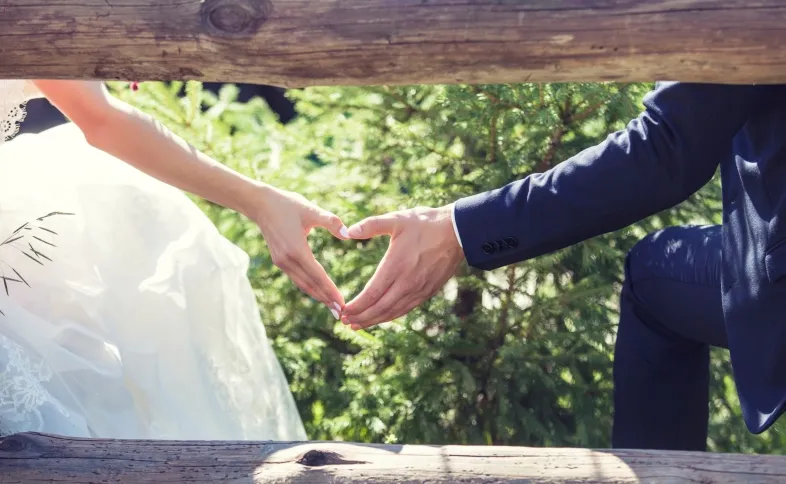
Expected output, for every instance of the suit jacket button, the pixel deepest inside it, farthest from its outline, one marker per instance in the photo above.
(488, 248)
(502, 244)
(512, 242)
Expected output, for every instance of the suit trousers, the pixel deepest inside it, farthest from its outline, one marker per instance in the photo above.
(670, 315)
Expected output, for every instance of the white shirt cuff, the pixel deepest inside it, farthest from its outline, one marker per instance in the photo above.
(455, 228)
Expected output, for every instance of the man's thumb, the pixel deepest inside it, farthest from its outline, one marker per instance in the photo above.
(372, 227)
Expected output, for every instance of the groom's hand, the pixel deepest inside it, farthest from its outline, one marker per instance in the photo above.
(423, 254)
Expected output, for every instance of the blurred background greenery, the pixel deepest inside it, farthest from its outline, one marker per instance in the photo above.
(521, 355)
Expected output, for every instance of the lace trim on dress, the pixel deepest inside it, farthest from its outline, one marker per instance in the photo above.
(21, 392)
(13, 100)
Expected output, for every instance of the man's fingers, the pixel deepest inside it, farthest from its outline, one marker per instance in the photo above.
(374, 226)
(392, 298)
(388, 270)
(404, 306)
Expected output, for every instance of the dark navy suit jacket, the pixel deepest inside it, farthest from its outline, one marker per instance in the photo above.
(670, 151)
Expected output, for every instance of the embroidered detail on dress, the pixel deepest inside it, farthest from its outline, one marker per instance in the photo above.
(13, 99)
(22, 394)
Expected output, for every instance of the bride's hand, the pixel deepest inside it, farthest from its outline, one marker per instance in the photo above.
(285, 219)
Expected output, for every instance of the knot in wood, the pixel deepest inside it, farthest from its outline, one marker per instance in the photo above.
(12, 443)
(319, 458)
(235, 18)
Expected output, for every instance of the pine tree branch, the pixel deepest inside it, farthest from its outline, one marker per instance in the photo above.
(495, 100)
(566, 119)
(591, 110)
(493, 138)
(498, 341)
(554, 143)
(540, 95)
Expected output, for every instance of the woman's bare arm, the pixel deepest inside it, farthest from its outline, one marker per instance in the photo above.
(136, 138)
(123, 131)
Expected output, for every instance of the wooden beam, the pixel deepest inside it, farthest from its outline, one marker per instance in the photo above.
(36, 458)
(298, 43)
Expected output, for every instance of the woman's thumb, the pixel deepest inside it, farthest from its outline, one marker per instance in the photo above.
(334, 225)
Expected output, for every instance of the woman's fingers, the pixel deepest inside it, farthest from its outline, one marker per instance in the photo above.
(309, 275)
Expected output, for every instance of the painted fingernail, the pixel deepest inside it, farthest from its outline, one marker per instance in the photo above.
(337, 306)
(344, 231)
(334, 313)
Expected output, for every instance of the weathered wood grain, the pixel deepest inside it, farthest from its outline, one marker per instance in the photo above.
(37, 458)
(364, 42)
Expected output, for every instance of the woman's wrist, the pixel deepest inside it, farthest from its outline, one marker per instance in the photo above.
(255, 199)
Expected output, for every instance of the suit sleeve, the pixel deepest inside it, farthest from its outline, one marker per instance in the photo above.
(661, 158)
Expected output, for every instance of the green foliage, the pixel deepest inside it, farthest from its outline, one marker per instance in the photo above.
(521, 355)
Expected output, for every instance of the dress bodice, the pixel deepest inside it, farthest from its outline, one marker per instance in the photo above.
(13, 96)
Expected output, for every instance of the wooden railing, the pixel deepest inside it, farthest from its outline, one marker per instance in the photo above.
(364, 42)
(37, 458)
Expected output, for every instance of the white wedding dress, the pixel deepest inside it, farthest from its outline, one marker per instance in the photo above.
(131, 318)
